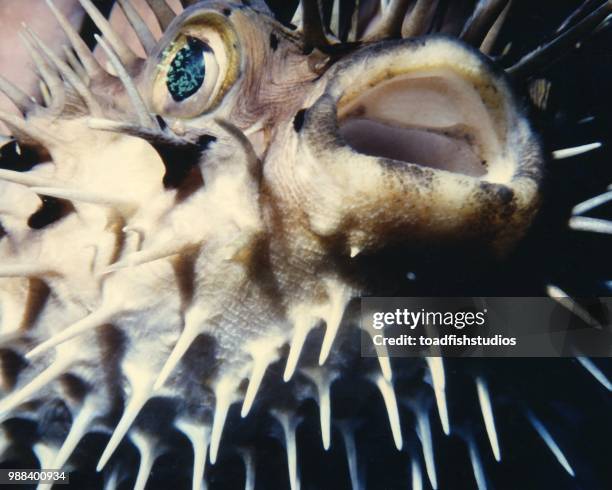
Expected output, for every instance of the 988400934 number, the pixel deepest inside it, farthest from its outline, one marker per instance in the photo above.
(25, 476)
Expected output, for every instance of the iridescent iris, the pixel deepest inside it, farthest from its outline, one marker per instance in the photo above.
(187, 70)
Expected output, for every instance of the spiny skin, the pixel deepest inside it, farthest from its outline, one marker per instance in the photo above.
(205, 246)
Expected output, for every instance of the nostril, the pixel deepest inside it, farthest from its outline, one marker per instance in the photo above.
(298, 120)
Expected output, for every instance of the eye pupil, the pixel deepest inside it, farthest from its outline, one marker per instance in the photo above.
(187, 70)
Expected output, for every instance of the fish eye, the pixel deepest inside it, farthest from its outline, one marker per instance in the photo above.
(195, 69)
(192, 69)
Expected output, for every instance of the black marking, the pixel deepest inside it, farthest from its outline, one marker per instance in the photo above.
(11, 364)
(205, 140)
(51, 210)
(19, 158)
(273, 42)
(75, 387)
(162, 122)
(179, 160)
(505, 195)
(37, 296)
(227, 12)
(298, 120)
(54, 419)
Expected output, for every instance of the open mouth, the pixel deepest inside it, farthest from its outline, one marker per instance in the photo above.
(434, 118)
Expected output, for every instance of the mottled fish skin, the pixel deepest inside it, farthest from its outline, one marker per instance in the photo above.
(189, 240)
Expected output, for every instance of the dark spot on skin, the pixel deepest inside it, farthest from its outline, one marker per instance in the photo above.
(205, 141)
(162, 122)
(75, 387)
(179, 160)
(54, 419)
(227, 12)
(159, 413)
(192, 181)
(298, 120)
(184, 271)
(51, 210)
(112, 347)
(19, 158)
(36, 300)
(501, 193)
(12, 364)
(273, 42)
(203, 360)
(505, 195)
(502, 208)
(260, 267)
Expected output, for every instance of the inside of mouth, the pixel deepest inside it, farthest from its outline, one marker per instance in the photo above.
(433, 118)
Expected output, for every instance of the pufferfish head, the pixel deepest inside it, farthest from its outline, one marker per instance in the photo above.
(395, 141)
(194, 218)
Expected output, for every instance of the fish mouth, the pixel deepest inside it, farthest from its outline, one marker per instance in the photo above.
(433, 125)
(444, 115)
(418, 118)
